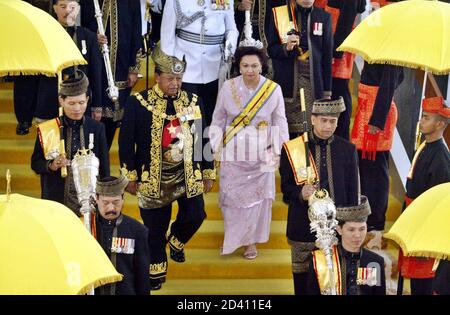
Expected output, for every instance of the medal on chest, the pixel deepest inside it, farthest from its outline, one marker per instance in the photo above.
(366, 276)
(122, 245)
(83, 47)
(318, 29)
(219, 4)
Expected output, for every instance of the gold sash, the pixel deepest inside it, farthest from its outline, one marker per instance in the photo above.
(250, 110)
(282, 23)
(49, 138)
(295, 150)
(321, 269)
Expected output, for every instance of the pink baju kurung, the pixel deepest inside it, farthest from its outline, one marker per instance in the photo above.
(248, 163)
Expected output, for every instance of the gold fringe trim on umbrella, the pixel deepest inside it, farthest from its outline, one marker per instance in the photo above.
(44, 72)
(394, 62)
(99, 282)
(422, 253)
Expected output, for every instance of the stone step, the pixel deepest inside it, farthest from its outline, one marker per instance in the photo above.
(8, 128)
(24, 180)
(227, 287)
(279, 209)
(210, 235)
(208, 264)
(16, 155)
(7, 95)
(6, 98)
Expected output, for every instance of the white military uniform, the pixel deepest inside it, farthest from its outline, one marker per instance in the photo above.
(201, 28)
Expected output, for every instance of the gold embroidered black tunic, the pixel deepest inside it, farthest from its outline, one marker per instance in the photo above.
(140, 143)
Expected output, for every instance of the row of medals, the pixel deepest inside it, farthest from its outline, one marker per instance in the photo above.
(222, 5)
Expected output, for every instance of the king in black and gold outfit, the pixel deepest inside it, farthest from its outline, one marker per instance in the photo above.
(161, 152)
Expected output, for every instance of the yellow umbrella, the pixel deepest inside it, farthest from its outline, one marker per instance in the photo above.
(45, 249)
(33, 42)
(423, 228)
(413, 33)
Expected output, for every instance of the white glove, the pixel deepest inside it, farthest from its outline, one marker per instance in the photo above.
(228, 50)
(156, 5)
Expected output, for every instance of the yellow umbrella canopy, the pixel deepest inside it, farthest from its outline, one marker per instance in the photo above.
(33, 42)
(45, 249)
(413, 33)
(423, 228)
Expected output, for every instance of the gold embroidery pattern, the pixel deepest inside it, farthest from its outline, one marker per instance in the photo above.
(175, 243)
(194, 185)
(154, 179)
(261, 23)
(109, 12)
(156, 269)
(137, 67)
(150, 181)
(106, 9)
(209, 174)
(329, 165)
(149, 104)
(130, 175)
(330, 171)
(237, 100)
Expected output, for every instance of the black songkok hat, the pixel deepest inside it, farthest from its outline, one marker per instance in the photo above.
(358, 213)
(326, 106)
(112, 187)
(75, 85)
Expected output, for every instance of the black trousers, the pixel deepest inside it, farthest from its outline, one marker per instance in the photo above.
(340, 88)
(110, 130)
(208, 93)
(300, 283)
(47, 105)
(110, 125)
(374, 177)
(191, 213)
(421, 286)
(25, 97)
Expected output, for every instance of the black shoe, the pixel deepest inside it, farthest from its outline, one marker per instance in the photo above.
(155, 284)
(178, 256)
(23, 128)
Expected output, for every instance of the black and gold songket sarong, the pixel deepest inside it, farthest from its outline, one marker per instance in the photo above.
(172, 181)
(302, 79)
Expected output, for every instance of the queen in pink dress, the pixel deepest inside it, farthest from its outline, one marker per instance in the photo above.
(247, 132)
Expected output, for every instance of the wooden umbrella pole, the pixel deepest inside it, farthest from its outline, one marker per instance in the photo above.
(8, 184)
(418, 133)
